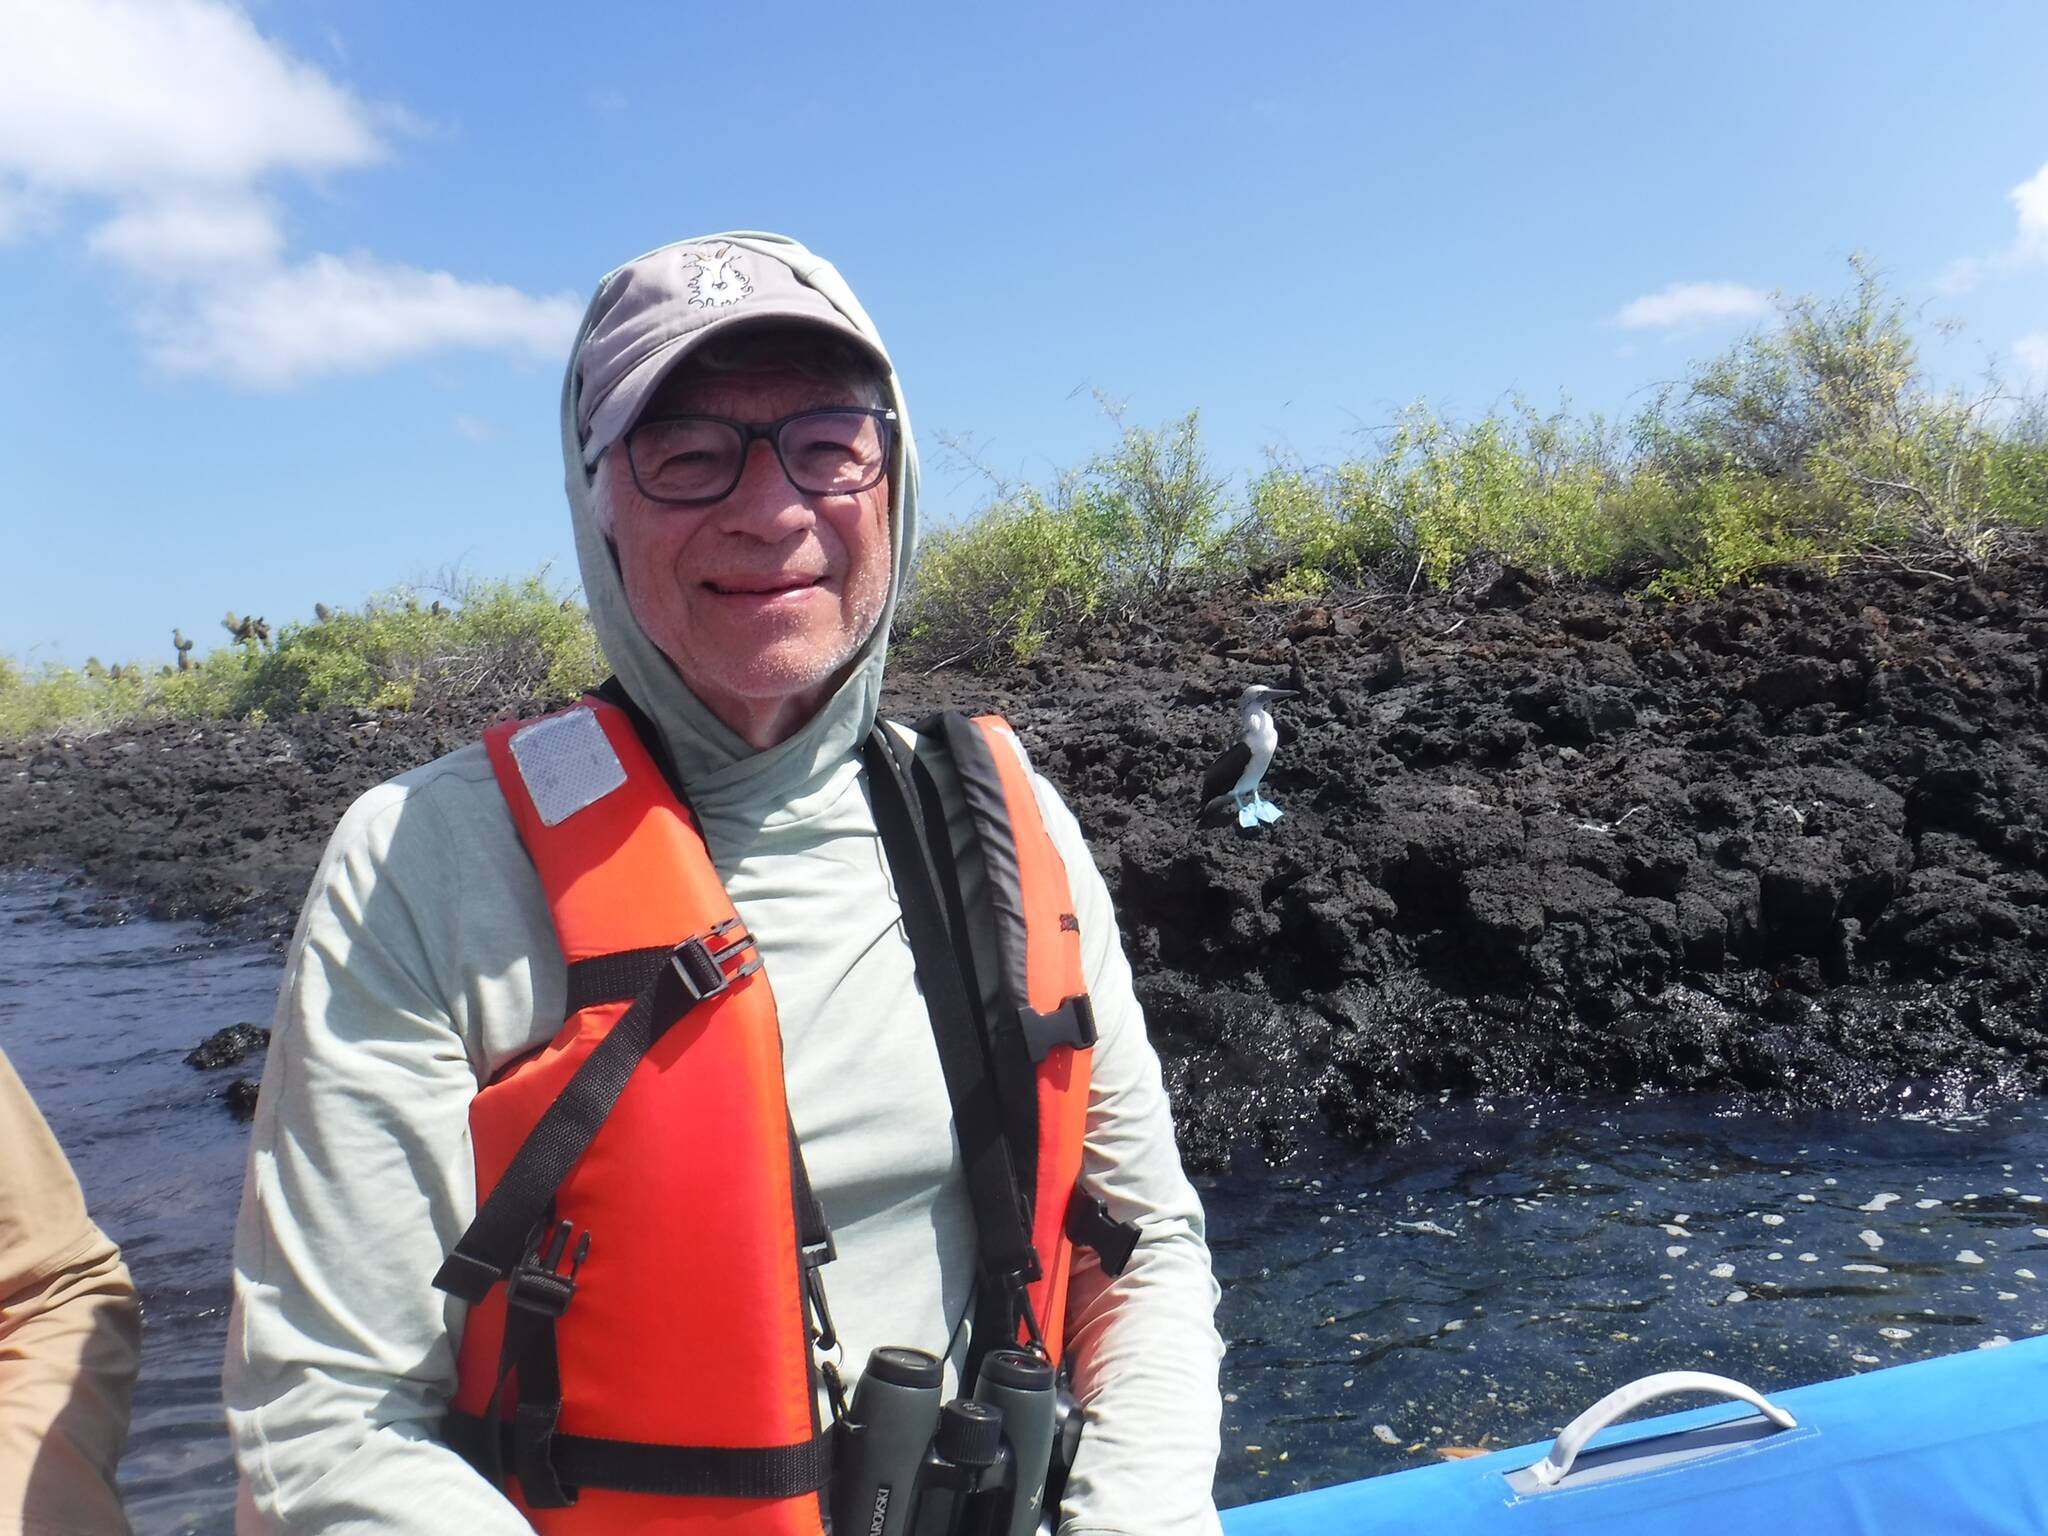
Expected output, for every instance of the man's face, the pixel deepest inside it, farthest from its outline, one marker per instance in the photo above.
(760, 599)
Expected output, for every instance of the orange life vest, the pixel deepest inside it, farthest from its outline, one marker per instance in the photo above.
(648, 1364)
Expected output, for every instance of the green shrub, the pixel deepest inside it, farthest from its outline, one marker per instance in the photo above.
(1152, 505)
(1526, 487)
(1115, 534)
(490, 645)
(1732, 527)
(1827, 374)
(94, 698)
(499, 642)
(996, 588)
(1303, 527)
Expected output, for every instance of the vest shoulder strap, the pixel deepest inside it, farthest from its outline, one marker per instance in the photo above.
(549, 770)
(1036, 1044)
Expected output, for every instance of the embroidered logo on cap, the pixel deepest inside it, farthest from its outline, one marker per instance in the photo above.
(719, 282)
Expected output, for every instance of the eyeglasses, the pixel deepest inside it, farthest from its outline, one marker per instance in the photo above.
(688, 461)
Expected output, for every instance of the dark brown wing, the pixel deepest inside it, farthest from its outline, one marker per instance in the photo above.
(1222, 776)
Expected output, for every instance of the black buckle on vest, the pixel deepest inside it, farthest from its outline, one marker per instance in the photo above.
(537, 1284)
(1072, 1023)
(701, 967)
(1090, 1225)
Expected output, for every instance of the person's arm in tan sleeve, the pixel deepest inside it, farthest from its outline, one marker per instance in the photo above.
(70, 1339)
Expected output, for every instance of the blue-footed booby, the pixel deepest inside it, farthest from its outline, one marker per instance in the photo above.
(1235, 776)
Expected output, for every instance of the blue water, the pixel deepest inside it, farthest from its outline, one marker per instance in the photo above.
(97, 1021)
(1478, 1285)
(1478, 1288)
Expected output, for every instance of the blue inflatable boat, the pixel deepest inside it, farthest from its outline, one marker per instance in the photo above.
(1949, 1447)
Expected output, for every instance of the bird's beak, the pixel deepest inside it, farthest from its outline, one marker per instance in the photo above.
(1284, 693)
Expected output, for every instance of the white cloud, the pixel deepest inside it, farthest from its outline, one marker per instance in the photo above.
(191, 235)
(2030, 202)
(475, 428)
(2031, 353)
(2029, 245)
(176, 118)
(353, 314)
(1679, 305)
(1959, 276)
(120, 95)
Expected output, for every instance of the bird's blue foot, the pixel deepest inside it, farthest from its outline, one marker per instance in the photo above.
(1266, 810)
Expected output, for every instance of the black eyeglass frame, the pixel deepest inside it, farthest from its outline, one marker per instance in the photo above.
(771, 431)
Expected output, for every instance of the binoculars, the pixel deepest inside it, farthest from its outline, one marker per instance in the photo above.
(977, 1466)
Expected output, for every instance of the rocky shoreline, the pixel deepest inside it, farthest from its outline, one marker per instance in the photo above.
(1790, 841)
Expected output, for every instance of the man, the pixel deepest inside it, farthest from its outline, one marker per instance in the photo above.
(70, 1339)
(744, 491)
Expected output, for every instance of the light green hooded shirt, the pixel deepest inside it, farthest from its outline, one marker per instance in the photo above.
(425, 960)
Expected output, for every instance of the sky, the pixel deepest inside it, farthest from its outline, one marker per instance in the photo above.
(287, 287)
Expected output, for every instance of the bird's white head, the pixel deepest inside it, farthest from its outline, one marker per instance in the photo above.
(1255, 699)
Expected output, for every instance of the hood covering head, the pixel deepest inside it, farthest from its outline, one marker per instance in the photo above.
(672, 296)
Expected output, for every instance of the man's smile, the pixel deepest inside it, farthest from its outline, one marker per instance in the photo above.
(762, 586)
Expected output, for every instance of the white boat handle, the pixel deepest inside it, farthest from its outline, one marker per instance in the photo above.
(1551, 1470)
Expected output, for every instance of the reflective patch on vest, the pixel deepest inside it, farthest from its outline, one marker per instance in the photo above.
(567, 762)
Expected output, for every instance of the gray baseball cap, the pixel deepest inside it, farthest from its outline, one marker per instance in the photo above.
(651, 312)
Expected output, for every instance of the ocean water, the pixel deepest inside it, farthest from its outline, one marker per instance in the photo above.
(1474, 1287)
(97, 1022)
(1479, 1287)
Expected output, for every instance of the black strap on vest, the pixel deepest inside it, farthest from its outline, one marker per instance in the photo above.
(1016, 1076)
(537, 1294)
(552, 1467)
(1012, 1053)
(1002, 1217)
(612, 978)
(695, 971)
(629, 1466)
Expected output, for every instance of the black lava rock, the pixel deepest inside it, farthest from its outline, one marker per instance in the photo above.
(225, 1047)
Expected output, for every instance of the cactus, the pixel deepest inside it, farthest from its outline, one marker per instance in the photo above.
(252, 631)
